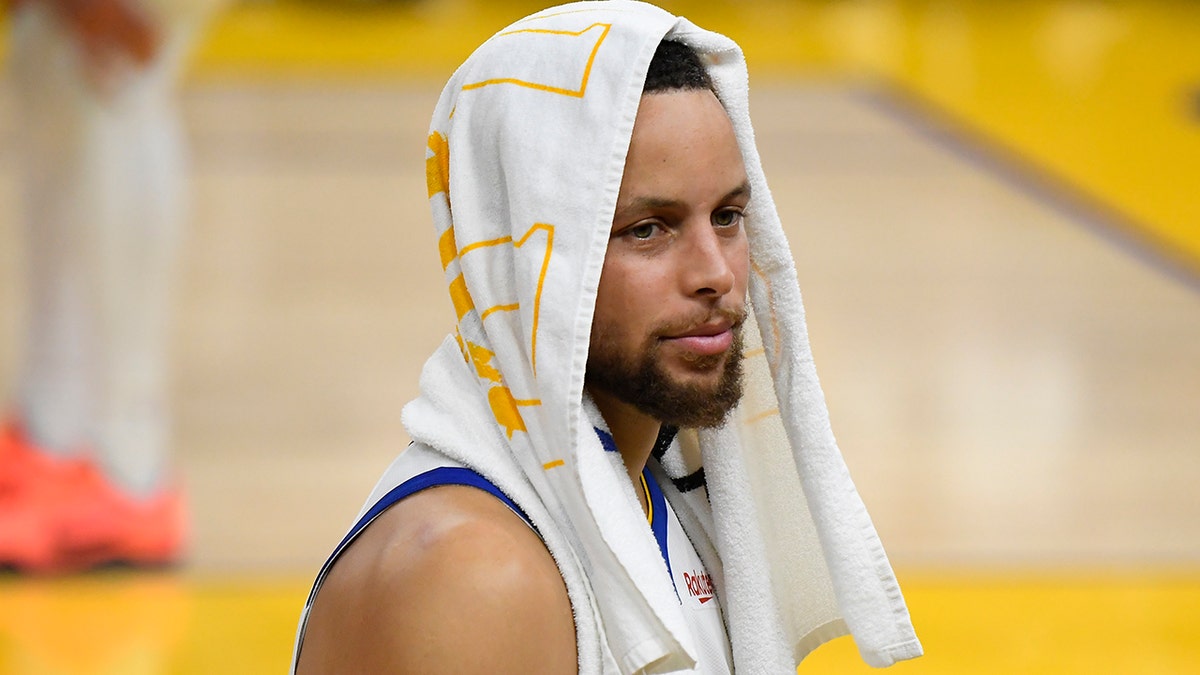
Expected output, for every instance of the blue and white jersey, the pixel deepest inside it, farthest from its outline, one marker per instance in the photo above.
(693, 583)
(419, 468)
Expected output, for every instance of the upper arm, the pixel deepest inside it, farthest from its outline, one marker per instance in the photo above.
(447, 580)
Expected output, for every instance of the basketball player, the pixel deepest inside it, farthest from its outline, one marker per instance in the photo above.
(84, 455)
(503, 540)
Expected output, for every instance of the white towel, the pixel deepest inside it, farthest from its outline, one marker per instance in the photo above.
(526, 151)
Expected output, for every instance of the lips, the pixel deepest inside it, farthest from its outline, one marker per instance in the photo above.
(711, 338)
(705, 345)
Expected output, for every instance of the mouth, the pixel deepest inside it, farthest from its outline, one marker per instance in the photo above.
(707, 339)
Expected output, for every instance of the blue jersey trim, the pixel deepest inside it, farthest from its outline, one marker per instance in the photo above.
(658, 523)
(446, 475)
(606, 440)
(658, 503)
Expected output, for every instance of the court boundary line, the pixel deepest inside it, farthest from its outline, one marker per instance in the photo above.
(1095, 215)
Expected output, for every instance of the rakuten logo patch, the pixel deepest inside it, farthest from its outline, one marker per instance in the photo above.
(699, 586)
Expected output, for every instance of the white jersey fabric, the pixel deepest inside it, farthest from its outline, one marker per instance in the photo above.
(693, 584)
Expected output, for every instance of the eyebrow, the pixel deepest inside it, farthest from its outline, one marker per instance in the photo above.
(660, 202)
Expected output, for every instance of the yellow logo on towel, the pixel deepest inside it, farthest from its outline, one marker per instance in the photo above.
(461, 297)
(500, 399)
(482, 358)
(504, 408)
(437, 165)
(582, 45)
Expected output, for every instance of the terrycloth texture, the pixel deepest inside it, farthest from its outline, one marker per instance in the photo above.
(526, 152)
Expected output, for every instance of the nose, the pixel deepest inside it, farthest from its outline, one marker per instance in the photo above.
(707, 262)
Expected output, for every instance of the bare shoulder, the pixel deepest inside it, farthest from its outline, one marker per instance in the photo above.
(447, 580)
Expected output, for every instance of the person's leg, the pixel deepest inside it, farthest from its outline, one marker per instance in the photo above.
(55, 392)
(104, 196)
(138, 180)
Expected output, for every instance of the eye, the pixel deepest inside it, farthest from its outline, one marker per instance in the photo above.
(642, 230)
(727, 218)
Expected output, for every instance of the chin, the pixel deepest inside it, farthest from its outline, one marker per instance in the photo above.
(706, 381)
(701, 369)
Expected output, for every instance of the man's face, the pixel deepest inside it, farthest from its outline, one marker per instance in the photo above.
(666, 336)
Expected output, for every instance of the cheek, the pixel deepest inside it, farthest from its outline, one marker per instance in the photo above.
(609, 300)
(739, 263)
(626, 301)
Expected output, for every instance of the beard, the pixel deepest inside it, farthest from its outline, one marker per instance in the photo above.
(641, 380)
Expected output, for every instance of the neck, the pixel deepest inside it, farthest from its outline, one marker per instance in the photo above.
(634, 433)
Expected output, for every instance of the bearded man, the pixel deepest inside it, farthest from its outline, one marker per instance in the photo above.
(621, 460)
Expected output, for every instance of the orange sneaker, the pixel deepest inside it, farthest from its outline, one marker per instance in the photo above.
(28, 475)
(21, 462)
(108, 526)
(63, 515)
(12, 457)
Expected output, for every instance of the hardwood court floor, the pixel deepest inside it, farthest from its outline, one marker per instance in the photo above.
(184, 625)
(1015, 383)
(1103, 97)
(1015, 395)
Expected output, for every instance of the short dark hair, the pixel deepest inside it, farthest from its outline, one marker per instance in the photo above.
(676, 66)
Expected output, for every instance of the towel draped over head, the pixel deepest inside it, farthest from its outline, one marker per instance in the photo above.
(524, 163)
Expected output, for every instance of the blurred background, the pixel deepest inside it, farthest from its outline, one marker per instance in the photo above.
(994, 209)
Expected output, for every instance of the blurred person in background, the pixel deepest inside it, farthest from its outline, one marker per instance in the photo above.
(85, 476)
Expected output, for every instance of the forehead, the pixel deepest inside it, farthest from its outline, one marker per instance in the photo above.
(683, 147)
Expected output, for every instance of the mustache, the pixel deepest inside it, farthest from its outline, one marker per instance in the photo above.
(733, 315)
